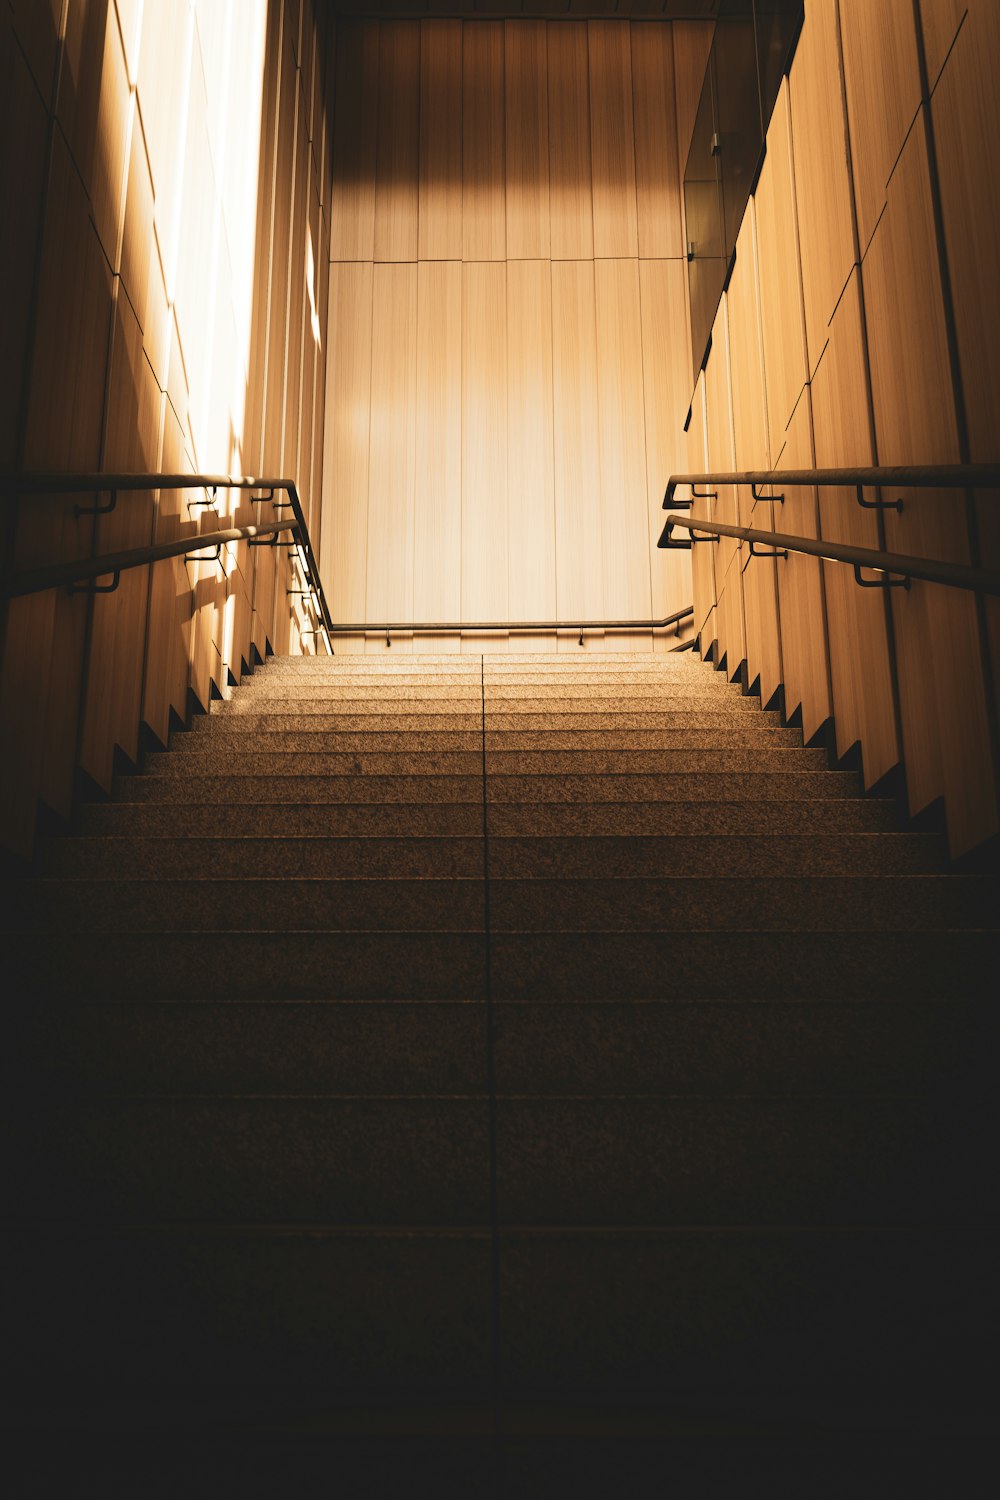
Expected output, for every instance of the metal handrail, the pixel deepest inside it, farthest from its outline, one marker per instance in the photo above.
(111, 564)
(505, 627)
(919, 476)
(955, 575)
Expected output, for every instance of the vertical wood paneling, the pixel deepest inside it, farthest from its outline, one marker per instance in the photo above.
(822, 179)
(942, 702)
(484, 442)
(622, 441)
(616, 231)
(398, 152)
(702, 554)
(170, 615)
(752, 450)
(728, 551)
(437, 531)
(571, 204)
(665, 378)
(440, 193)
(779, 276)
(93, 108)
(579, 575)
(132, 444)
(344, 546)
(527, 121)
(530, 479)
(22, 152)
(804, 651)
(883, 92)
(392, 454)
(657, 181)
(352, 214)
(484, 215)
(859, 652)
(940, 20)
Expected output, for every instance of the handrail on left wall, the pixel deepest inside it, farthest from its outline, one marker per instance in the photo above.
(87, 570)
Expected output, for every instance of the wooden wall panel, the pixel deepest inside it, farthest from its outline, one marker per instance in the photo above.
(527, 121)
(702, 554)
(579, 580)
(616, 231)
(170, 612)
(352, 214)
(23, 125)
(571, 203)
(484, 215)
(860, 677)
(665, 377)
(398, 150)
(440, 189)
(657, 179)
(93, 107)
(113, 702)
(752, 451)
(728, 552)
(804, 651)
(437, 526)
(484, 443)
(530, 475)
(822, 176)
(624, 541)
(883, 92)
(343, 560)
(779, 276)
(942, 699)
(389, 592)
(940, 20)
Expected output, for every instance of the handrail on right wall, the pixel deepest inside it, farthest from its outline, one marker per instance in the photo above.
(905, 566)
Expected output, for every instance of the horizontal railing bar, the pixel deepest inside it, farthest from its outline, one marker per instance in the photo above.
(19, 485)
(912, 476)
(39, 579)
(519, 627)
(73, 484)
(954, 575)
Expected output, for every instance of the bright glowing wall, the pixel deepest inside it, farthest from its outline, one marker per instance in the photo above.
(508, 352)
(163, 170)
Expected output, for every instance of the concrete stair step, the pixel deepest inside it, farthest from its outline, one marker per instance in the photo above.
(243, 790)
(208, 905)
(522, 761)
(459, 699)
(405, 1159)
(350, 1312)
(290, 964)
(194, 858)
(212, 1046)
(544, 905)
(802, 817)
(315, 719)
(237, 740)
(410, 857)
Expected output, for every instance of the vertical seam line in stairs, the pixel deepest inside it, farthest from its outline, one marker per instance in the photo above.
(490, 1084)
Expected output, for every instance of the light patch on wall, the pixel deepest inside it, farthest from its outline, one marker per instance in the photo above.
(311, 287)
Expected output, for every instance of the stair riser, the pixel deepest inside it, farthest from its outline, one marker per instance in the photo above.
(614, 1049)
(306, 720)
(310, 741)
(587, 856)
(826, 904)
(290, 965)
(425, 762)
(402, 1161)
(802, 818)
(680, 787)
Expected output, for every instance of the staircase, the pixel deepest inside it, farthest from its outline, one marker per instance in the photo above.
(473, 1039)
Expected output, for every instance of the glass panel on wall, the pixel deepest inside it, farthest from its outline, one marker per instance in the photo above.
(777, 25)
(706, 249)
(750, 52)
